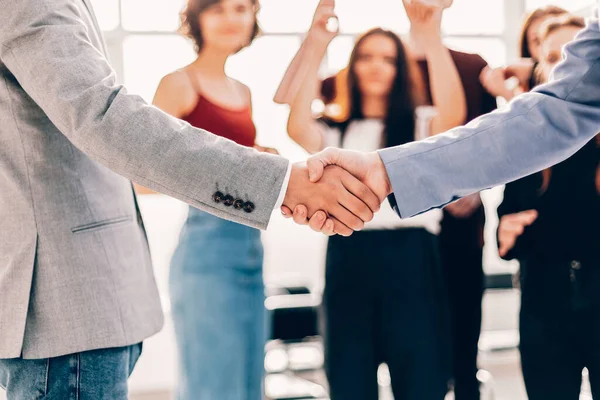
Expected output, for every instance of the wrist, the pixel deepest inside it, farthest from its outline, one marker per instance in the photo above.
(432, 43)
(318, 39)
(288, 199)
(381, 170)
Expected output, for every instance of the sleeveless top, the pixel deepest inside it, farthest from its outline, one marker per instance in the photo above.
(231, 123)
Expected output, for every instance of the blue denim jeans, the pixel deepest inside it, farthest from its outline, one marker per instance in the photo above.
(217, 302)
(90, 375)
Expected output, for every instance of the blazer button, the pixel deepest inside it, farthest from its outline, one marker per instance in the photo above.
(249, 206)
(228, 200)
(238, 204)
(218, 197)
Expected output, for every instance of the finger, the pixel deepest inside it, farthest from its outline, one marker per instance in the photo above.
(356, 206)
(524, 218)
(326, 3)
(328, 228)
(346, 217)
(509, 72)
(317, 221)
(505, 243)
(286, 212)
(301, 214)
(528, 217)
(317, 163)
(340, 228)
(325, 16)
(504, 248)
(485, 72)
(362, 192)
(513, 228)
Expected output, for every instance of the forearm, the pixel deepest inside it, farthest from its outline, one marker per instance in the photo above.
(534, 131)
(447, 91)
(301, 124)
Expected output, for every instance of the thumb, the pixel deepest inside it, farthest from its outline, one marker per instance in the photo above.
(484, 73)
(317, 163)
(286, 212)
(503, 248)
(529, 216)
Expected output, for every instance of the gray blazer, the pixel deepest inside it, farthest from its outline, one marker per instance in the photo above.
(536, 130)
(75, 271)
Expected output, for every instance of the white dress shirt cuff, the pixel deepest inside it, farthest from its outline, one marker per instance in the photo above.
(284, 187)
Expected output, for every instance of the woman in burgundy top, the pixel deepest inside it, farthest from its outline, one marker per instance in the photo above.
(216, 284)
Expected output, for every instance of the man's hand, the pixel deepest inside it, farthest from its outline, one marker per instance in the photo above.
(495, 83)
(347, 202)
(511, 227)
(367, 167)
(521, 70)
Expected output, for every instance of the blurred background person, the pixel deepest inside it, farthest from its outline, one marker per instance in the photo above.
(494, 80)
(384, 299)
(216, 279)
(549, 222)
(461, 236)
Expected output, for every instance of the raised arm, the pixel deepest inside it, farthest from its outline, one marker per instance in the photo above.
(447, 92)
(302, 127)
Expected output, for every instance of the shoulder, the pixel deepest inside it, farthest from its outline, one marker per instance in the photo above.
(244, 90)
(176, 80)
(177, 84)
(471, 61)
(175, 94)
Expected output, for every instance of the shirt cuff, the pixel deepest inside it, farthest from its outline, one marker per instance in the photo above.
(284, 188)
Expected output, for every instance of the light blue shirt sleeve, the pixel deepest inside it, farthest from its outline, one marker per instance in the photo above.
(534, 131)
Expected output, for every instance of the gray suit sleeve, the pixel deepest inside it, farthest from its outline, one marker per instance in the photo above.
(534, 131)
(46, 45)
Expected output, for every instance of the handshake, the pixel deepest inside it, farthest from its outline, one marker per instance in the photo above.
(336, 191)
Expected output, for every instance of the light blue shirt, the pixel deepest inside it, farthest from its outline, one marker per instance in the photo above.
(534, 131)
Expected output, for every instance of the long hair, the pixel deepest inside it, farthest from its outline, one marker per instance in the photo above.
(190, 27)
(403, 98)
(525, 51)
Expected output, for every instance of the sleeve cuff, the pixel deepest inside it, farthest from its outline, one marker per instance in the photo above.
(284, 187)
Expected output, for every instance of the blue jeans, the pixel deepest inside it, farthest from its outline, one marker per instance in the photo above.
(90, 375)
(217, 299)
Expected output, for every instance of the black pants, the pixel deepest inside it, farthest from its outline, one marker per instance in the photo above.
(461, 254)
(560, 328)
(384, 302)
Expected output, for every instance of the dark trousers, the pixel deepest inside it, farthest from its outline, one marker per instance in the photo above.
(461, 255)
(384, 302)
(560, 328)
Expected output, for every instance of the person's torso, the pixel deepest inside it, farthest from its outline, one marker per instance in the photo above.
(201, 228)
(74, 257)
(233, 123)
(568, 209)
